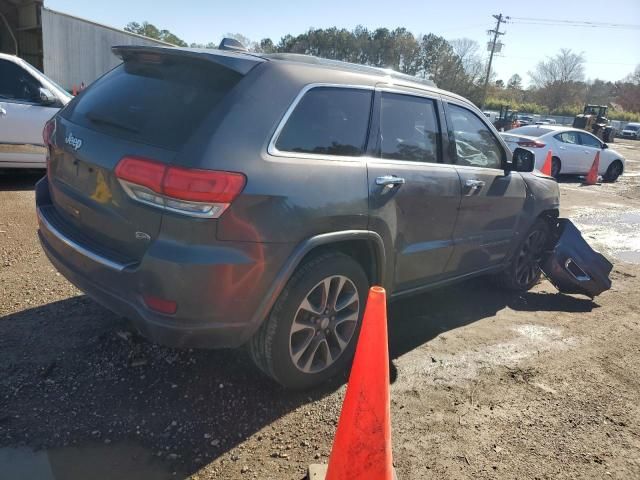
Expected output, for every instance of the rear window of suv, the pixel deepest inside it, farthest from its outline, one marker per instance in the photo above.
(328, 121)
(159, 103)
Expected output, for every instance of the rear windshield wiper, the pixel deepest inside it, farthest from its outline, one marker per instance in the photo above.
(112, 123)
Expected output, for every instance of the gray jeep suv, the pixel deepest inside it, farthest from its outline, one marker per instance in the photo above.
(220, 198)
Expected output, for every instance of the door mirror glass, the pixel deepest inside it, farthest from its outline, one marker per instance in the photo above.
(46, 97)
(523, 160)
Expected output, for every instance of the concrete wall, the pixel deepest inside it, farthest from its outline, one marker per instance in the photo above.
(77, 50)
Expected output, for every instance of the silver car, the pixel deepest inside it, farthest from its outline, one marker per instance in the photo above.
(28, 99)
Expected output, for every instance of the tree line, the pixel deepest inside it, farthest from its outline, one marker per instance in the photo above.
(558, 83)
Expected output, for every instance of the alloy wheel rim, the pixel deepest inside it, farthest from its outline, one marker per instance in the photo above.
(324, 324)
(528, 264)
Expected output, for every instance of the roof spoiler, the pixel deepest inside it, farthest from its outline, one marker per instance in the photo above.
(233, 60)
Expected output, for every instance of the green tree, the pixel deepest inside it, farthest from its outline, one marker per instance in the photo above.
(149, 30)
(514, 82)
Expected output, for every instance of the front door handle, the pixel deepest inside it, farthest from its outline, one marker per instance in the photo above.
(474, 183)
(473, 186)
(3, 112)
(390, 181)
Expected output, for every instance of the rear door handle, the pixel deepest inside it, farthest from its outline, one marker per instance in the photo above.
(390, 181)
(3, 112)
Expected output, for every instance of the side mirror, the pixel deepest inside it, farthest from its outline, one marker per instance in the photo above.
(523, 160)
(46, 97)
(605, 146)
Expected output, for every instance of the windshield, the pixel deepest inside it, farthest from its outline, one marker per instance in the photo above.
(533, 131)
(633, 128)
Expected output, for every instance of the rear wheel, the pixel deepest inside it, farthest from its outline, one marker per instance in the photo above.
(311, 332)
(556, 165)
(613, 172)
(524, 270)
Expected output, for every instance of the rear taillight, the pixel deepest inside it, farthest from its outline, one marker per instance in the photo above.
(49, 132)
(531, 144)
(199, 193)
(49, 138)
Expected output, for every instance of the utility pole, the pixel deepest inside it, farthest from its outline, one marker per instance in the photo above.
(495, 33)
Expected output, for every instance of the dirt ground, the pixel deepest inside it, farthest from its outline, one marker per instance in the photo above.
(484, 384)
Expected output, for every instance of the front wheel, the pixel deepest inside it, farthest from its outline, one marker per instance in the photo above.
(312, 330)
(524, 271)
(613, 172)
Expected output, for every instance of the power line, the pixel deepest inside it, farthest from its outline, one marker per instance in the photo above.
(586, 61)
(569, 23)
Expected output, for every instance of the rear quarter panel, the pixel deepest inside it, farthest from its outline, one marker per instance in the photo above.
(286, 198)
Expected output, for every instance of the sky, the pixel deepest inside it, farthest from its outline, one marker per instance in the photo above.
(610, 53)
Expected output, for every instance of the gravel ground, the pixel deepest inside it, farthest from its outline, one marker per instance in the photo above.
(484, 384)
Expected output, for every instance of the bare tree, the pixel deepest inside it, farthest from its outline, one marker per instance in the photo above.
(559, 79)
(627, 91)
(468, 52)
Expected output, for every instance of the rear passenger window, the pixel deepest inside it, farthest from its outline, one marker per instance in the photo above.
(476, 146)
(409, 128)
(568, 137)
(329, 121)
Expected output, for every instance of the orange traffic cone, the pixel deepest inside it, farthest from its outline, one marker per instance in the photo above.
(362, 445)
(546, 168)
(592, 176)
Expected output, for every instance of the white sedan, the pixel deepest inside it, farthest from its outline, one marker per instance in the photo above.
(27, 100)
(572, 150)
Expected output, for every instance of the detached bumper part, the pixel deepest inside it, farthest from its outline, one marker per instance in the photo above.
(573, 266)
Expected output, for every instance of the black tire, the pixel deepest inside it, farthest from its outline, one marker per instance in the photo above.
(527, 257)
(271, 346)
(556, 166)
(613, 172)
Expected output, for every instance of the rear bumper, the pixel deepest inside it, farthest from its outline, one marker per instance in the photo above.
(219, 288)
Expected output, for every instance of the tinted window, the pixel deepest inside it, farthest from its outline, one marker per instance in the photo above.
(409, 128)
(159, 103)
(475, 144)
(328, 120)
(590, 141)
(568, 137)
(17, 84)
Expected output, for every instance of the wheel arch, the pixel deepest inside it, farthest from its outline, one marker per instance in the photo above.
(365, 246)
